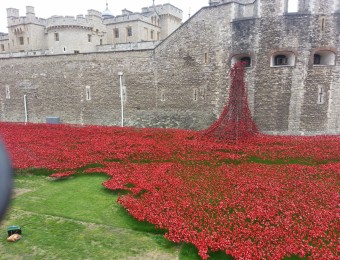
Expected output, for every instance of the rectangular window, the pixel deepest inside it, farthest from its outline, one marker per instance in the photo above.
(8, 93)
(151, 34)
(28, 40)
(89, 37)
(21, 40)
(101, 42)
(76, 52)
(205, 57)
(88, 93)
(56, 37)
(2, 47)
(129, 31)
(116, 32)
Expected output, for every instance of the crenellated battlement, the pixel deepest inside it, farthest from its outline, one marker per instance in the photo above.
(4, 36)
(69, 21)
(165, 9)
(280, 7)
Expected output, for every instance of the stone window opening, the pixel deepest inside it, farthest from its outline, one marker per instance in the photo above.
(116, 33)
(101, 42)
(151, 34)
(282, 59)
(89, 37)
(64, 49)
(21, 40)
(56, 37)
(321, 95)
(324, 58)
(76, 52)
(245, 58)
(88, 92)
(129, 31)
(28, 40)
(2, 47)
(8, 93)
(323, 22)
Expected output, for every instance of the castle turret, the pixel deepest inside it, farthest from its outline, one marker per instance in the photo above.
(30, 12)
(12, 14)
(107, 13)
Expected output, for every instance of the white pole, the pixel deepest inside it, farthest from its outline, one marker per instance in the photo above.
(120, 74)
(25, 105)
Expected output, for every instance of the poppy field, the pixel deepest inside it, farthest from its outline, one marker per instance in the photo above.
(264, 197)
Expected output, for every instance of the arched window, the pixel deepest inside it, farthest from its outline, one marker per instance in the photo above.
(245, 58)
(284, 58)
(324, 58)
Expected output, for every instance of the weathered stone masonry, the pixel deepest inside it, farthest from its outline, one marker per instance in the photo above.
(183, 82)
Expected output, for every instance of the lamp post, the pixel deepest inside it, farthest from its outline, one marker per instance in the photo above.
(120, 74)
(25, 107)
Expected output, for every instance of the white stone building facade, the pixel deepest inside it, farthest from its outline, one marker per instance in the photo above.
(96, 31)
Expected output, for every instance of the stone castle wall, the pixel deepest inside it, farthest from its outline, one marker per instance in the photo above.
(183, 82)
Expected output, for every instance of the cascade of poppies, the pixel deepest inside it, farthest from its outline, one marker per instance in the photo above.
(235, 122)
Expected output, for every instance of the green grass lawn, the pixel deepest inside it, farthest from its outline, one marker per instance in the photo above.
(77, 219)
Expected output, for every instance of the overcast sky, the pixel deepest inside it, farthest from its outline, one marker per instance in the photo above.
(47, 8)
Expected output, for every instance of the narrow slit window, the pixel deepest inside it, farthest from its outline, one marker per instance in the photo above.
(56, 37)
(321, 95)
(195, 94)
(206, 57)
(88, 93)
(8, 93)
(162, 95)
(203, 93)
(323, 22)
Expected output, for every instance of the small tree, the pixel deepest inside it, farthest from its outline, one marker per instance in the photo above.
(235, 122)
